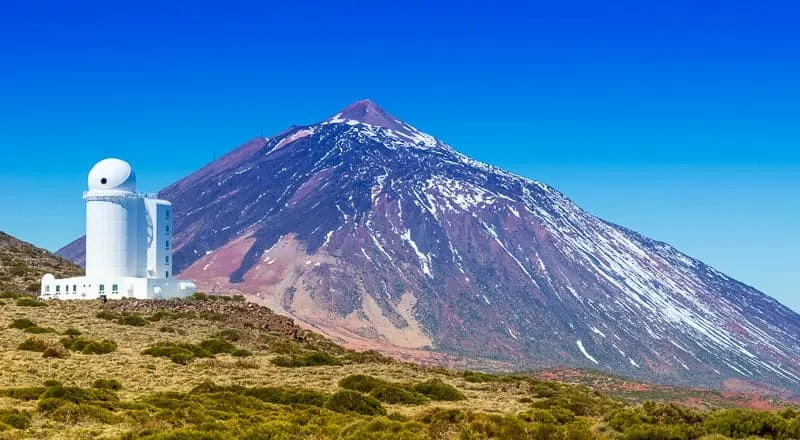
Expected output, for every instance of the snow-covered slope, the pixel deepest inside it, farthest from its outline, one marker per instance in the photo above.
(371, 230)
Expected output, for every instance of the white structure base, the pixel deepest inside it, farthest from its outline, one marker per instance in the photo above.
(126, 287)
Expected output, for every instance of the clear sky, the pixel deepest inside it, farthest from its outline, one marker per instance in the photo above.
(679, 119)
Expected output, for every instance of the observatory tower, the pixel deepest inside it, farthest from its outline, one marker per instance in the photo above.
(128, 242)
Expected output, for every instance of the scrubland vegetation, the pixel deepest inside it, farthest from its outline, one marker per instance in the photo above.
(113, 372)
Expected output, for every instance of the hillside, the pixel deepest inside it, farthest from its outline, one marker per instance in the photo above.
(212, 368)
(379, 235)
(22, 265)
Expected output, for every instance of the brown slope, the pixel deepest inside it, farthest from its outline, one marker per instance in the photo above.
(22, 265)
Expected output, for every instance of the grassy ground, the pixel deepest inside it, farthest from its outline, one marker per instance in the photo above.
(249, 396)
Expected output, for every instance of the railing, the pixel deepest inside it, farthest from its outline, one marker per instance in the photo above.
(92, 196)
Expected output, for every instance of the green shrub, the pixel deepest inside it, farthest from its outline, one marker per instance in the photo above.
(107, 384)
(311, 359)
(89, 346)
(76, 413)
(29, 326)
(180, 353)
(740, 423)
(16, 418)
(10, 295)
(362, 383)
(33, 344)
(367, 357)
(384, 428)
(167, 329)
(38, 330)
(435, 389)
(217, 346)
(133, 320)
(276, 395)
(108, 315)
(25, 393)
(478, 377)
(52, 383)
(353, 401)
(27, 301)
(22, 324)
(230, 335)
(71, 332)
(241, 352)
(394, 394)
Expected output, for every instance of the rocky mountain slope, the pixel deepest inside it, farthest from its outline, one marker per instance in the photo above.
(374, 232)
(22, 265)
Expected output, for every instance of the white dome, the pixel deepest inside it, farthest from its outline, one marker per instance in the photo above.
(112, 174)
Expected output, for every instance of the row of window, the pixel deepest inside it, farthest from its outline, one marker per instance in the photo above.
(100, 288)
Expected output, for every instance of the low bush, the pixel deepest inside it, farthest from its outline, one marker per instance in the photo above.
(478, 377)
(367, 357)
(108, 315)
(362, 383)
(353, 401)
(33, 344)
(199, 296)
(89, 346)
(10, 295)
(385, 428)
(16, 418)
(276, 395)
(27, 301)
(167, 329)
(217, 346)
(241, 352)
(397, 395)
(178, 352)
(107, 384)
(24, 393)
(133, 320)
(71, 332)
(311, 359)
(22, 323)
(435, 389)
(229, 335)
(72, 413)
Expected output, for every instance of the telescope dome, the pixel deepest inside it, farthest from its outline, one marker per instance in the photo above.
(112, 174)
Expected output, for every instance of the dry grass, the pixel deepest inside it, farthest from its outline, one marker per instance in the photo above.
(141, 375)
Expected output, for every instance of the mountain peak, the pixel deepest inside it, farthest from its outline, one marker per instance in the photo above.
(368, 112)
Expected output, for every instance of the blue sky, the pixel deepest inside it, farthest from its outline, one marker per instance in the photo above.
(678, 119)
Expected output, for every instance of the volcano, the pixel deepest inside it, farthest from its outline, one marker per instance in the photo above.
(380, 235)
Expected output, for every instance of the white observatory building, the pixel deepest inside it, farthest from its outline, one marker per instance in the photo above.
(128, 242)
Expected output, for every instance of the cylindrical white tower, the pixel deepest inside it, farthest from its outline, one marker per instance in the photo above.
(111, 220)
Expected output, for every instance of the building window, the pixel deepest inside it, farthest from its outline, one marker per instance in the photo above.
(166, 214)
(74, 288)
(166, 274)
(167, 244)
(166, 228)
(102, 288)
(58, 289)
(47, 289)
(166, 259)
(114, 288)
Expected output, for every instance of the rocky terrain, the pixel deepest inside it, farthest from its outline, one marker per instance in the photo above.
(213, 368)
(379, 235)
(22, 265)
